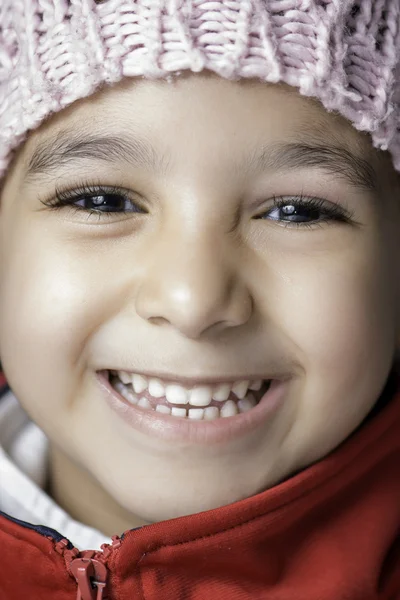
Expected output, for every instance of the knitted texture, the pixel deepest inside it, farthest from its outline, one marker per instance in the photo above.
(346, 53)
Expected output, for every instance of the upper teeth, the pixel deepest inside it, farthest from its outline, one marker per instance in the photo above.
(200, 395)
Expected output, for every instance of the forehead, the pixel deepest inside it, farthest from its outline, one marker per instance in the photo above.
(207, 98)
(208, 117)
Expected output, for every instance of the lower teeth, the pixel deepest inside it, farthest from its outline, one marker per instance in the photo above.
(229, 408)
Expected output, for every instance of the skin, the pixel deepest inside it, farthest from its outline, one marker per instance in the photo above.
(195, 287)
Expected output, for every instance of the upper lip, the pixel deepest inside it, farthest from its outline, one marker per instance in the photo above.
(193, 381)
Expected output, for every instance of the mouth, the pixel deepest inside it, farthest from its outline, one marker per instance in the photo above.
(200, 401)
(206, 413)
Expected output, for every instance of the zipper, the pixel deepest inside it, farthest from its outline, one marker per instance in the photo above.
(89, 568)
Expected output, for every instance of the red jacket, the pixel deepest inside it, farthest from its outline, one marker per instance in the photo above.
(331, 532)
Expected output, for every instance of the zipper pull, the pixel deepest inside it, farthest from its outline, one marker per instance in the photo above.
(89, 572)
(88, 567)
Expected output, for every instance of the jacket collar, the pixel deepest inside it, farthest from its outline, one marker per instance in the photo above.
(327, 532)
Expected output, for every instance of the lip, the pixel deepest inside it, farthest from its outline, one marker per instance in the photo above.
(173, 429)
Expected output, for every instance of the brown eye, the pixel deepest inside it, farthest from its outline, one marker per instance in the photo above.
(293, 212)
(95, 199)
(302, 211)
(106, 203)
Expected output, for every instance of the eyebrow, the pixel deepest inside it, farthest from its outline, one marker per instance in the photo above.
(336, 160)
(70, 147)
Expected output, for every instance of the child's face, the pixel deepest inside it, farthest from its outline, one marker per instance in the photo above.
(194, 285)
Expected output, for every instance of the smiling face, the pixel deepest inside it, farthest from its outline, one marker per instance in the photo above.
(211, 276)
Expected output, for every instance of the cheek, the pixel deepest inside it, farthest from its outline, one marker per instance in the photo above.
(50, 303)
(337, 312)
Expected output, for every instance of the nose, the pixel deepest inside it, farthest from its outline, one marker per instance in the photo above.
(192, 286)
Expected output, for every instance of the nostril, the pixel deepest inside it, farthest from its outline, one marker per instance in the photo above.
(158, 320)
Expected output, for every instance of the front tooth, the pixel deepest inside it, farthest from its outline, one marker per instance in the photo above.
(178, 412)
(196, 413)
(176, 394)
(163, 409)
(240, 389)
(144, 403)
(229, 409)
(256, 385)
(139, 383)
(221, 392)
(124, 377)
(201, 396)
(211, 413)
(156, 388)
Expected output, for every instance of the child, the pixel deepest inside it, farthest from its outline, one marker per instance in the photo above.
(200, 299)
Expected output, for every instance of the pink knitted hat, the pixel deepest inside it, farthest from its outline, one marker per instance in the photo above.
(346, 53)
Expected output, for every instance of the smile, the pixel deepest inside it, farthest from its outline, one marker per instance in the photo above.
(198, 402)
(193, 411)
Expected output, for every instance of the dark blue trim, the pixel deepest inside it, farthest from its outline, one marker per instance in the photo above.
(4, 390)
(48, 531)
(41, 529)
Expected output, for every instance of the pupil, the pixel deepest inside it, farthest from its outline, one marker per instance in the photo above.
(111, 202)
(289, 209)
(302, 214)
(98, 200)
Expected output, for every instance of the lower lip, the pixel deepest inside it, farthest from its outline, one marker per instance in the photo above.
(169, 428)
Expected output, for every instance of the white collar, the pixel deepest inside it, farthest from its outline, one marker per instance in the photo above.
(24, 451)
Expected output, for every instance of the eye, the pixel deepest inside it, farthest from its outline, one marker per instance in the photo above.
(106, 203)
(98, 200)
(300, 211)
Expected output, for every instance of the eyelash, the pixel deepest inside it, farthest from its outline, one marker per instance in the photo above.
(333, 212)
(65, 198)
